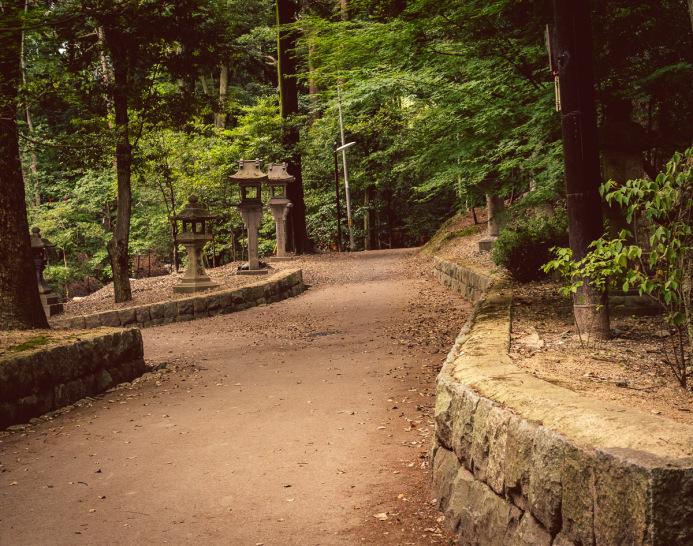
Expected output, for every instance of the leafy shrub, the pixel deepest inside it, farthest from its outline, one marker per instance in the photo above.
(524, 248)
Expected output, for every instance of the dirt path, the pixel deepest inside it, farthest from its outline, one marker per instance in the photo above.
(294, 423)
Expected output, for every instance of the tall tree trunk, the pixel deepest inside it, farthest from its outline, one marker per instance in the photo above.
(287, 11)
(33, 165)
(118, 246)
(690, 11)
(220, 118)
(573, 59)
(20, 305)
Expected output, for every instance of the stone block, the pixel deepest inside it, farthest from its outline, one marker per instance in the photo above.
(143, 314)
(110, 318)
(170, 311)
(462, 415)
(497, 432)
(104, 380)
(480, 439)
(545, 485)
(8, 414)
(200, 306)
(16, 378)
(226, 300)
(519, 444)
(443, 417)
(156, 311)
(93, 321)
(78, 323)
(185, 318)
(127, 316)
(240, 295)
(672, 502)
(487, 518)
(642, 499)
(185, 307)
(213, 303)
(43, 370)
(577, 505)
(530, 533)
(445, 467)
(459, 499)
(65, 366)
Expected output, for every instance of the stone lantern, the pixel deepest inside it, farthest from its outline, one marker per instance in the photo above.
(193, 236)
(279, 204)
(49, 300)
(250, 178)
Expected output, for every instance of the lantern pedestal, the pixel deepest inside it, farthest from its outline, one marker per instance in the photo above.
(193, 238)
(279, 206)
(49, 300)
(249, 179)
(195, 278)
(252, 218)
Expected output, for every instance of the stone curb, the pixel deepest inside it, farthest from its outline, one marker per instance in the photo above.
(283, 285)
(517, 460)
(35, 382)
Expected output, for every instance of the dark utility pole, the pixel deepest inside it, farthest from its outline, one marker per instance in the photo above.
(572, 59)
(339, 213)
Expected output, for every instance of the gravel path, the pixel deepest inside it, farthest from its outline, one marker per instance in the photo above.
(304, 422)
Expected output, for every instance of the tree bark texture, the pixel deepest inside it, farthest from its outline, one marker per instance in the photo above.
(220, 121)
(20, 305)
(287, 12)
(118, 246)
(572, 48)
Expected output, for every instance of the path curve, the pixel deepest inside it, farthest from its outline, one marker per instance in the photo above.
(293, 423)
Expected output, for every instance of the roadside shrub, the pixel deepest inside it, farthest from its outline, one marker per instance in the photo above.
(523, 249)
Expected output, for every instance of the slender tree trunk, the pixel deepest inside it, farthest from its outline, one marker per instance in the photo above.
(287, 11)
(118, 246)
(690, 11)
(20, 305)
(369, 218)
(220, 118)
(573, 58)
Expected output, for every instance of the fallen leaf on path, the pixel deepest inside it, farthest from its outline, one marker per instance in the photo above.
(382, 516)
(14, 483)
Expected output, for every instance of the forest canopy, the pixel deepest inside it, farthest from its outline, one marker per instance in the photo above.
(446, 102)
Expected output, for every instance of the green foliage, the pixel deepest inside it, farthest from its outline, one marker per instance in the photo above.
(523, 249)
(660, 266)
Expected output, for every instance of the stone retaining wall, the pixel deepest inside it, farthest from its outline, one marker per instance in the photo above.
(41, 380)
(280, 286)
(517, 460)
(463, 280)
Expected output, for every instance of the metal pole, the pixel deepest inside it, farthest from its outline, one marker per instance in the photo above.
(346, 174)
(339, 213)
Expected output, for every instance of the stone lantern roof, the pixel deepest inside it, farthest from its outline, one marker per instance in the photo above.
(249, 172)
(276, 172)
(38, 242)
(193, 211)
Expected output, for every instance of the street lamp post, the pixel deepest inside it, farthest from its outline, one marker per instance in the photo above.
(336, 189)
(343, 148)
